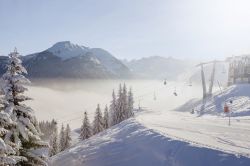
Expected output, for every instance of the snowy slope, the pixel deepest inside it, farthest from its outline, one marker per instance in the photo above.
(132, 144)
(239, 95)
(172, 138)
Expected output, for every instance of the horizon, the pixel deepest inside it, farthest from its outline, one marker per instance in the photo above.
(129, 30)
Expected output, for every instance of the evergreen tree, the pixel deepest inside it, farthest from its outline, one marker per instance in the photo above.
(119, 108)
(124, 102)
(7, 153)
(54, 144)
(113, 110)
(130, 104)
(24, 135)
(106, 118)
(62, 139)
(98, 121)
(67, 137)
(85, 128)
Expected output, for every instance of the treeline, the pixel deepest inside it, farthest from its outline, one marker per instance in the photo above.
(121, 108)
(58, 141)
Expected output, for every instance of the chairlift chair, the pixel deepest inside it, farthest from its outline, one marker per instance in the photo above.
(175, 92)
(165, 82)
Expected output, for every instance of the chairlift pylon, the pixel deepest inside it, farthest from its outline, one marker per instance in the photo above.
(154, 96)
(190, 83)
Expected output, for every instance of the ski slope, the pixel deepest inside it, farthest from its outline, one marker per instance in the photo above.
(173, 138)
(211, 132)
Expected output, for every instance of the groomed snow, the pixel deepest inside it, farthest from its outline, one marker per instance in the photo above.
(132, 144)
(173, 138)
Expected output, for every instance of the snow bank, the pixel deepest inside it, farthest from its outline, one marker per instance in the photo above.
(132, 144)
(239, 95)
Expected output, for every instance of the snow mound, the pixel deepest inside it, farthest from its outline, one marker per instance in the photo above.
(131, 144)
(237, 97)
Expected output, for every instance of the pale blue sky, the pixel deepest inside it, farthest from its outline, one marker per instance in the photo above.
(197, 29)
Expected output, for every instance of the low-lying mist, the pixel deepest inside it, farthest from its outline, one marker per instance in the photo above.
(66, 101)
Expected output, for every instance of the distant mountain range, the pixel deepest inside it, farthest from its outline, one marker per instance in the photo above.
(67, 60)
(157, 67)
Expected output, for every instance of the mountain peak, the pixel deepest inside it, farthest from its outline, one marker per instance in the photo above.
(66, 49)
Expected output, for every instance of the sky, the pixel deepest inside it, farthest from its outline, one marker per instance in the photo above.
(131, 29)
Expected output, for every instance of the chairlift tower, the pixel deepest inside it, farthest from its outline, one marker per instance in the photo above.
(205, 94)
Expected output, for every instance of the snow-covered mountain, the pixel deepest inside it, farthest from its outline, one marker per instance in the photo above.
(66, 50)
(67, 60)
(157, 67)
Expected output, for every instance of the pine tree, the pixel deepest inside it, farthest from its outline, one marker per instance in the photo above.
(113, 110)
(98, 121)
(24, 135)
(130, 104)
(124, 102)
(67, 137)
(62, 139)
(7, 153)
(106, 118)
(85, 128)
(119, 108)
(54, 144)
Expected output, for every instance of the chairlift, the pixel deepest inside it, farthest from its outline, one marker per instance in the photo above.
(165, 82)
(175, 92)
(190, 83)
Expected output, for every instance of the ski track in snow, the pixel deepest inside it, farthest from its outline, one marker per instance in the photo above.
(205, 132)
(132, 144)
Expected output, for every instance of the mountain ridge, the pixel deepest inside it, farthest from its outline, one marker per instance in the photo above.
(67, 60)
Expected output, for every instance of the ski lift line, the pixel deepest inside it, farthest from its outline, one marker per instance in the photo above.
(152, 92)
(71, 119)
(70, 114)
(73, 113)
(140, 97)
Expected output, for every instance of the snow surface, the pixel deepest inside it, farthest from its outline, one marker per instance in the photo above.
(239, 95)
(131, 143)
(66, 50)
(173, 137)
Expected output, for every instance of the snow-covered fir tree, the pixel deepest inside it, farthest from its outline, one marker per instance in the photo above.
(85, 132)
(67, 137)
(130, 112)
(54, 143)
(124, 102)
(119, 108)
(98, 121)
(106, 118)
(112, 110)
(47, 129)
(62, 139)
(23, 136)
(7, 153)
